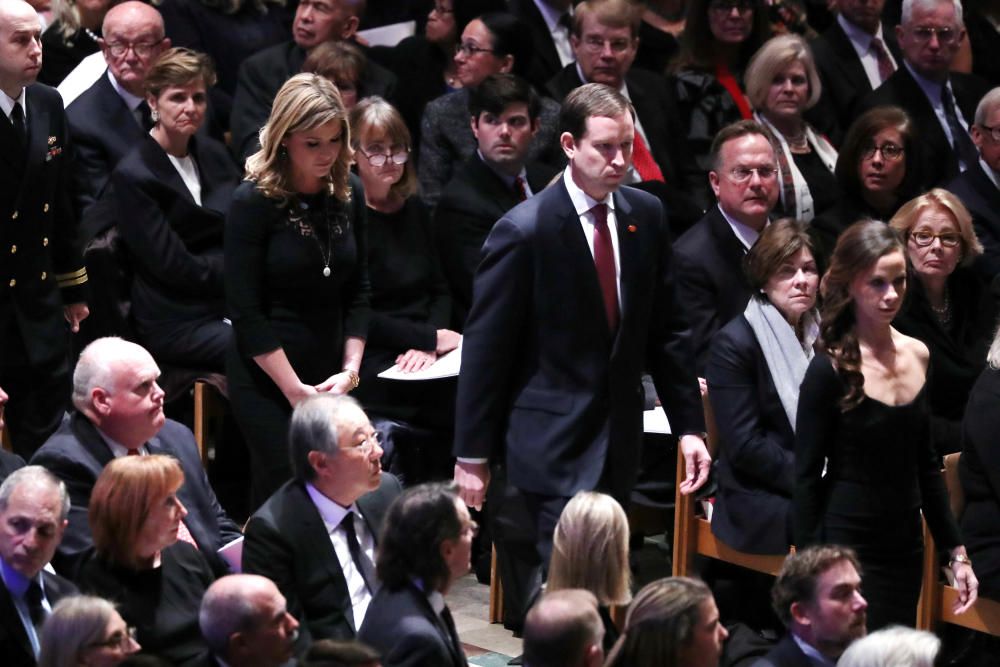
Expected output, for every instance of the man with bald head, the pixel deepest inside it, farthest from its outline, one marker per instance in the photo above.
(119, 412)
(41, 273)
(564, 629)
(112, 116)
(245, 623)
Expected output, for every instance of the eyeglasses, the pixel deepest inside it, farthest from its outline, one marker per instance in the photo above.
(120, 640)
(368, 445)
(595, 44)
(470, 50)
(141, 49)
(945, 36)
(889, 151)
(727, 6)
(379, 159)
(994, 132)
(923, 238)
(744, 174)
(441, 9)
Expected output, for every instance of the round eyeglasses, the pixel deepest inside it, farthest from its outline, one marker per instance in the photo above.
(924, 238)
(379, 159)
(889, 151)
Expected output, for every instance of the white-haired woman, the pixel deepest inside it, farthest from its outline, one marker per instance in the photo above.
(85, 631)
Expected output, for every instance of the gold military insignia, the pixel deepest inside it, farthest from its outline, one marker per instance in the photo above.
(52, 141)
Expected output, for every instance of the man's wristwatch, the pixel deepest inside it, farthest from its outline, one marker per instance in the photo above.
(355, 380)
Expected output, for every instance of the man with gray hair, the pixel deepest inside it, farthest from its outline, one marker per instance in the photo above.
(941, 102)
(564, 629)
(33, 509)
(245, 623)
(979, 186)
(315, 537)
(119, 412)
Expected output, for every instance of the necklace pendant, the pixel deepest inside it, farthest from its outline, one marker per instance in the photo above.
(326, 271)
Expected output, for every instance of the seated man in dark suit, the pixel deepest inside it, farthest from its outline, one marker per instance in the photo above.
(33, 508)
(939, 101)
(817, 596)
(315, 537)
(709, 256)
(109, 118)
(979, 186)
(605, 40)
(550, 23)
(854, 57)
(119, 412)
(426, 547)
(260, 76)
(504, 110)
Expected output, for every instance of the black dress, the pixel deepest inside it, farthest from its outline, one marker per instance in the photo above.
(881, 472)
(278, 297)
(61, 54)
(979, 472)
(161, 603)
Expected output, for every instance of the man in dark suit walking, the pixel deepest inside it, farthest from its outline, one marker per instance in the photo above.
(119, 412)
(41, 275)
(504, 112)
(940, 102)
(574, 298)
(33, 507)
(315, 537)
(817, 595)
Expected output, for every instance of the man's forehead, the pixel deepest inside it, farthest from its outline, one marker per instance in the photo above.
(942, 11)
(839, 574)
(748, 147)
(134, 21)
(18, 17)
(35, 501)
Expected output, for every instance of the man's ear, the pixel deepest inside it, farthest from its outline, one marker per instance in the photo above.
(350, 27)
(800, 613)
(507, 64)
(713, 180)
(317, 460)
(594, 656)
(567, 143)
(474, 124)
(535, 124)
(100, 399)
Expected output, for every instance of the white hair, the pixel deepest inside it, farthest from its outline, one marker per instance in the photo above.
(96, 367)
(895, 646)
(910, 5)
(990, 101)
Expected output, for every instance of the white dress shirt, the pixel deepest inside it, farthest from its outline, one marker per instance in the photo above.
(932, 89)
(583, 202)
(7, 105)
(130, 100)
(746, 234)
(559, 33)
(17, 585)
(862, 43)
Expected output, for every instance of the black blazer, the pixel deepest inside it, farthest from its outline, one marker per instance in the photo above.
(288, 543)
(42, 267)
(785, 654)
(469, 206)
(403, 627)
(77, 454)
(982, 198)
(842, 74)
(542, 375)
(710, 279)
(174, 245)
(545, 61)
(104, 131)
(9, 462)
(262, 75)
(938, 163)
(756, 445)
(15, 646)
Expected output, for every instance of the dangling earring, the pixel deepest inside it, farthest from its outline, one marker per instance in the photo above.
(154, 116)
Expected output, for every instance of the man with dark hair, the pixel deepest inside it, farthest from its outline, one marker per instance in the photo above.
(574, 298)
(504, 112)
(564, 629)
(817, 595)
(712, 285)
(315, 537)
(262, 75)
(550, 24)
(426, 546)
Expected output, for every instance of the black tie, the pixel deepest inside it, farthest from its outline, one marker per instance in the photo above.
(361, 561)
(33, 596)
(147, 116)
(17, 120)
(449, 623)
(963, 146)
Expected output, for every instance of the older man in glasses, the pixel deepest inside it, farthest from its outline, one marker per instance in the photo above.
(315, 537)
(941, 102)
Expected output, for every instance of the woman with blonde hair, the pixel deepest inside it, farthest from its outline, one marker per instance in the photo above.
(144, 559)
(85, 631)
(590, 551)
(295, 272)
(72, 36)
(947, 306)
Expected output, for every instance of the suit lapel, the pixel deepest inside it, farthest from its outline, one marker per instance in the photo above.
(628, 257)
(161, 166)
(90, 439)
(848, 59)
(455, 650)
(317, 541)
(11, 621)
(38, 135)
(8, 139)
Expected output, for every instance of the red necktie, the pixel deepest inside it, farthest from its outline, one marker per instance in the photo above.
(133, 452)
(885, 66)
(644, 162)
(604, 260)
(519, 189)
(732, 86)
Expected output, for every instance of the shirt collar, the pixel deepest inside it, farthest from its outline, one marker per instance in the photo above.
(15, 582)
(932, 89)
(550, 15)
(582, 202)
(7, 102)
(859, 36)
(990, 174)
(812, 653)
(506, 178)
(330, 511)
(131, 101)
(745, 233)
(117, 449)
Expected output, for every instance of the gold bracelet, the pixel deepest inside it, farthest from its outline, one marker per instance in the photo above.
(355, 379)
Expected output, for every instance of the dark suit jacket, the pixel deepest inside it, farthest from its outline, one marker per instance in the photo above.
(42, 268)
(15, 646)
(713, 289)
(786, 654)
(545, 61)
(542, 374)
(938, 163)
(9, 462)
(288, 543)
(842, 74)
(756, 445)
(104, 131)
(982, 198)
(474, 199)
(77, 454)
(403, 627)
(260, 78)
